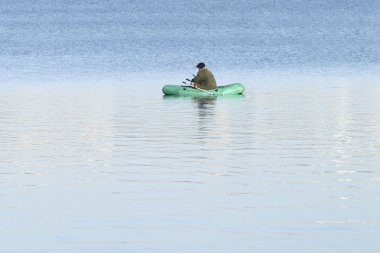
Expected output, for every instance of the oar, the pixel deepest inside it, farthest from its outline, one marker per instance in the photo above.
(212, 94)
(200, 88)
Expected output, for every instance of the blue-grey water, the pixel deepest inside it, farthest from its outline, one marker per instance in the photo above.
(94, 159)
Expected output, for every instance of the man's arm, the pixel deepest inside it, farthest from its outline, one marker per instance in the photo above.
(197, 78)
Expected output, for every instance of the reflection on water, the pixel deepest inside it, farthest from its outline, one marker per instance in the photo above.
(205, 103)
(109, 168)
(205, 112)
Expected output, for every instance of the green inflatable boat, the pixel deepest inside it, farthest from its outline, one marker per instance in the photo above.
(181, 90)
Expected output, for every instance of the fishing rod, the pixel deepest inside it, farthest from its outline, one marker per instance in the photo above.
(195, 87)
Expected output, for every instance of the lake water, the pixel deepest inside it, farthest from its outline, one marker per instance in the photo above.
(93, 158)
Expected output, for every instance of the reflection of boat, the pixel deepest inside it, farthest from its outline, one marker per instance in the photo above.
(180, 90)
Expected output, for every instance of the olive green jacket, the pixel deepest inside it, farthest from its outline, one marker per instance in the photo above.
(205, 79)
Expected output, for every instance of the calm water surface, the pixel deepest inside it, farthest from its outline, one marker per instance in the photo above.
(110, 168)
(94, 159)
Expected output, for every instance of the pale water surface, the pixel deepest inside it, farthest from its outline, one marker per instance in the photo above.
(103, 168)
(94, 159)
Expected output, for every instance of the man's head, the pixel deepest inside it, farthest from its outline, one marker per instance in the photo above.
(201, 65)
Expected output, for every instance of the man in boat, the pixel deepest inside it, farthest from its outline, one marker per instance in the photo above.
(204, 78)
